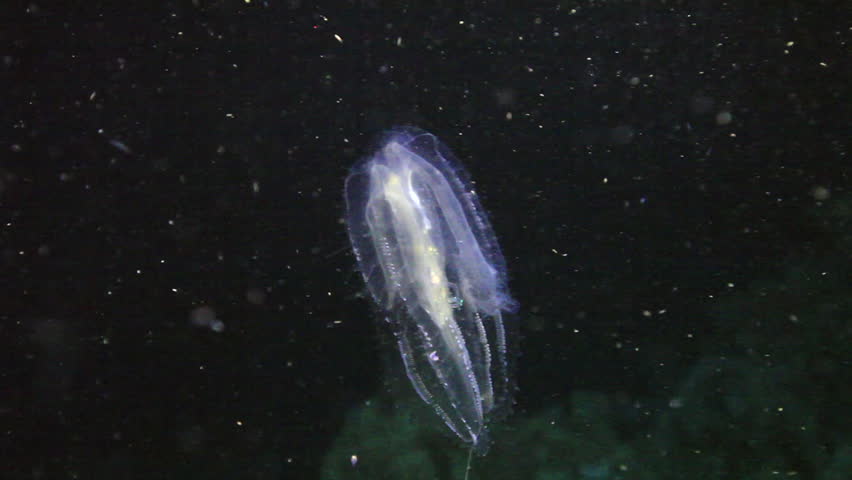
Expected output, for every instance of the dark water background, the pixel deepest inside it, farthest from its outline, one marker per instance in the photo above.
(669, 182)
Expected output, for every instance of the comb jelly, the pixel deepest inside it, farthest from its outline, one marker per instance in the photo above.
(432, 264)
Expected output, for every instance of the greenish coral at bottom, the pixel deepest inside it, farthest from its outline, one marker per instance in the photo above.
(381, 440)
(384, 442)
